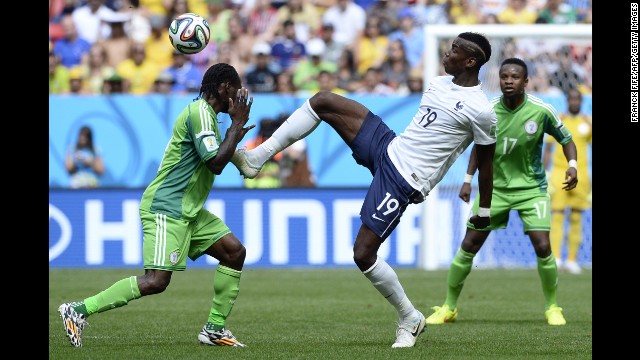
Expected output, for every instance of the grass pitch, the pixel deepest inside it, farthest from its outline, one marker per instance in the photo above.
(327, 314)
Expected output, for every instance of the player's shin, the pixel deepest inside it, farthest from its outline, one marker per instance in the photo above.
(386, 281)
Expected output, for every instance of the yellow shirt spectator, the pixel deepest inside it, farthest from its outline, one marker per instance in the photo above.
(517, 12)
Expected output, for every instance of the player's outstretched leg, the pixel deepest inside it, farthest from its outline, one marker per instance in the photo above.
(73, 323)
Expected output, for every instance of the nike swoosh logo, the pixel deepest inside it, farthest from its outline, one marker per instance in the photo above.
(415, 333)
(377, 218)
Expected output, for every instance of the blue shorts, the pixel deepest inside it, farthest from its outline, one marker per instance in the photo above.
(389, 193)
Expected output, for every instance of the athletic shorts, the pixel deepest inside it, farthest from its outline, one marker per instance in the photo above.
(534, 210)
(389, 193)
(168, 241)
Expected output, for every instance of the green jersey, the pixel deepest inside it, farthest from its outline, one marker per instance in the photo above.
(517, 164)
(183, 181)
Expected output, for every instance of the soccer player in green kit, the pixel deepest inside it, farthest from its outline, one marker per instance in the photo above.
(174, 222)
(519, 183)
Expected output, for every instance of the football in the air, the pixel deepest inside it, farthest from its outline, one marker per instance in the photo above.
(189, 33)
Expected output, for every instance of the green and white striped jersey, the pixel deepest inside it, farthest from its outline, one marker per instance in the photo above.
(183, 181)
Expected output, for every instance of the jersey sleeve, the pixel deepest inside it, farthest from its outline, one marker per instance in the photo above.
(484, 127)
(554, 126)
(204, 136)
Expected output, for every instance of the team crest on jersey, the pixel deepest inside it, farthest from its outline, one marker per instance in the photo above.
(173, 257)
(459, 105)
(531, 127)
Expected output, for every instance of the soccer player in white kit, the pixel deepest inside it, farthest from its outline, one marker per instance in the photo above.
(453, 112)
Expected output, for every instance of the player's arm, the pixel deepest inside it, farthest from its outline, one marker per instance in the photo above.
(571, 175)
(239, 114)
(465, 189)
(484, 159)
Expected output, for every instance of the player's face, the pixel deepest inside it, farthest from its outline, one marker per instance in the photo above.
(454, 59)
(575, 101)
(512, 80)
(230, 91)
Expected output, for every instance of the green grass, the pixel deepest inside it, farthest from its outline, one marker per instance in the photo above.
(327, 314)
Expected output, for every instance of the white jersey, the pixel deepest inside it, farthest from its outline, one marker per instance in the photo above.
(449, 118)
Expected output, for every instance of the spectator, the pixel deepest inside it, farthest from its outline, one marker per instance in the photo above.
(139, 27)
(576, 201)
(428, 12)
(163, 84)
(566, 74)
(157, 46)
(396, 68)
(370, 50)
(333, 48)
(284, 84)
(138, 73)
(305, 75)
(347, 77)
(114, 84)
(84, 161)
(58, 76)
(95, 71)
(387, 12)
(305, 17)
(218, 20)
(286, 50)
(327, 81)
(348, 20)
(464, 12)
(517, 12)
(71, 49)
(415, 84)
(557, 12)
(261, 76)
(412, 37)
(76, 82)
(118, 43)
(373, 84)
(263, 21)
(269, 177)
(186, 77)
(240, 44)
(88, 20)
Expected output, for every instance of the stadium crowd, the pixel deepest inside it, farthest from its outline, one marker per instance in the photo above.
(295, 46)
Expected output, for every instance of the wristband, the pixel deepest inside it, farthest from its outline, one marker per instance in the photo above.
(468, 178)
(484, 212)
(573, 164)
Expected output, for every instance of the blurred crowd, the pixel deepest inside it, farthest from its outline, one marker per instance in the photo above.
(297, 46)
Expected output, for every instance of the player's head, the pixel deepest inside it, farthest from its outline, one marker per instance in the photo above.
(574, 101)
(514, 77)
(220, 82)
(469, 51)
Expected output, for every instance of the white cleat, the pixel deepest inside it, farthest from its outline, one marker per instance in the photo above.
(239, 159)
(407, 334)
(573, 268)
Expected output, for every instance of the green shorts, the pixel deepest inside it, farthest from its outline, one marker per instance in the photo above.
(168, 242)
(534, 210)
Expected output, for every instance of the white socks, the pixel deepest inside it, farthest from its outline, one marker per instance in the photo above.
(300, 124)
(385, 280)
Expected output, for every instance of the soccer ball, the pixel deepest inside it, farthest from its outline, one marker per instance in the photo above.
(189, 33)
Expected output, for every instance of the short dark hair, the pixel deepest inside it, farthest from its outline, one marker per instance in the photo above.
(519, 62)
(218, 74)
(483, 44)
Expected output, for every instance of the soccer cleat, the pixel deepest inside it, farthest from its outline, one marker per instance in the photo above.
(407, 334)
(554, 316)
(222, 337)
(573, 268)
(239, 159)
(442, 315)
(73, 323)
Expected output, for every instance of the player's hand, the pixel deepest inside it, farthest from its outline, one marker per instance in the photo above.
(239, 110)
(571, 179)
(465, 192)
(480, 222)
